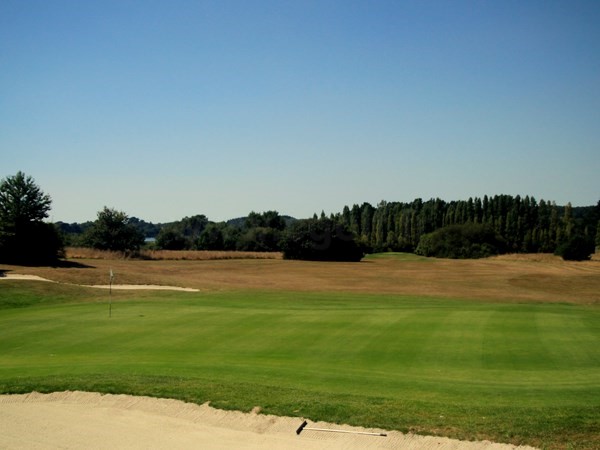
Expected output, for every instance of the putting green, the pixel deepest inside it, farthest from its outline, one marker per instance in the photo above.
(521, 373)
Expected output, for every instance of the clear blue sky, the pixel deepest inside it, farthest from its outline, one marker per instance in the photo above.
(166, 109)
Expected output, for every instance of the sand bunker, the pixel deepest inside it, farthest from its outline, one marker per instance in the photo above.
(16, 276)
(155, 287)
(103, 286)
(75, 420)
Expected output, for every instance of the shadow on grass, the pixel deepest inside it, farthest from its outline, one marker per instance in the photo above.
(60, 264)
(71, 265)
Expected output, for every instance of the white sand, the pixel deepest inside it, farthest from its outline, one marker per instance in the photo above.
(155, 287)
(15, 276)
(82, 420)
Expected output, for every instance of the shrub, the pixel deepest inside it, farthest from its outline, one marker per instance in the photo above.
(577, 248)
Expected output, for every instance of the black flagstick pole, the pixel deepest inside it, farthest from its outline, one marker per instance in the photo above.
(110, 293)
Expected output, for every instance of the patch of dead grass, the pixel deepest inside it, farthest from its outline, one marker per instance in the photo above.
(186, 255)
(512, 279)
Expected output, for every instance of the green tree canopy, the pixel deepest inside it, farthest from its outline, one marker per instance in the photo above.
(212, 237)
(320, 240)
(267, 219)
(112, 231)
(24, 237)
(169, 238)
(22, 201)
(259, 239)
(470, 240)
(183, 234)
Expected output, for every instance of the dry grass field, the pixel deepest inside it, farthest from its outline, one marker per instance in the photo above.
(186, 255)
(508, 278)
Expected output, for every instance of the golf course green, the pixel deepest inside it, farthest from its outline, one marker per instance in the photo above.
(508, 372)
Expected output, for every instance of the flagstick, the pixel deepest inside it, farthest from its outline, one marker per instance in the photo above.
(110, 294)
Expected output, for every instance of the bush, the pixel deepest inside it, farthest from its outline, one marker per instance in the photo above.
(320, 240)
(462, 241)
(577, 248)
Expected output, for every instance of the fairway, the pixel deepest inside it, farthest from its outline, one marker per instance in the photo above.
(504, 371)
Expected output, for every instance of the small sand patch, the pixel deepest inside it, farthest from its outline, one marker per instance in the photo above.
(17, 276)
(156, 287)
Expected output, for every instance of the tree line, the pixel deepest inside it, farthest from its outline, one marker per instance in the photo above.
(259, 232)
(466, 228)
(526, 225)
(497, 224)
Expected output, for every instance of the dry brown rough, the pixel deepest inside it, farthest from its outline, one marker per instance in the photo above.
(509, 278)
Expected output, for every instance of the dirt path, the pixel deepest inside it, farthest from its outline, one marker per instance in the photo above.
(74, 420)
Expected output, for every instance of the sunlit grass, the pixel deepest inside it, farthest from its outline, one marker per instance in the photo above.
(521, 373)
